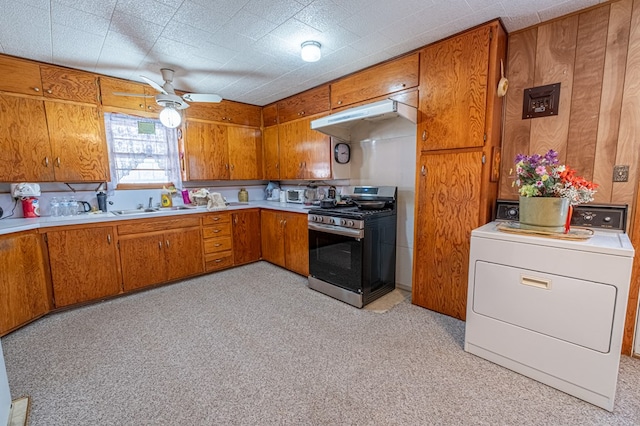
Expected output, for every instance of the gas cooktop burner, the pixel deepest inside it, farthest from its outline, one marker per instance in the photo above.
(352, 212)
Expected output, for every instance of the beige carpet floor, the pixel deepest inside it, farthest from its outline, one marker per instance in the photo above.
(254, 346)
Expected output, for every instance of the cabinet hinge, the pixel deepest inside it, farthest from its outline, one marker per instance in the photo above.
(484, 137)
(490, 34)
(484, 159)
(46, 239)
(118, 245)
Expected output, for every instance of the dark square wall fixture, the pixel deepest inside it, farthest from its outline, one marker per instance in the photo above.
(541, 101)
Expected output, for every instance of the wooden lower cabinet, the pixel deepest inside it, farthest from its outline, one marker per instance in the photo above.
(157, 257)
(285, 240)
(24, 290)
(84, 264)
(246, 236)
(448, 206)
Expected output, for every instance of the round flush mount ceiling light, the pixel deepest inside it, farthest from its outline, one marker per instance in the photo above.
(310, 51)
(170, 117)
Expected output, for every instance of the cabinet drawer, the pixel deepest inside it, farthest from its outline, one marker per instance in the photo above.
(139, 227)
(216, 245)
(214, 219)
(217, 261)
(569, 309)
(222, 230)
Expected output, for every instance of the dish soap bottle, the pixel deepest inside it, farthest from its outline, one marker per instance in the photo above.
(165, 198)
(243, 196)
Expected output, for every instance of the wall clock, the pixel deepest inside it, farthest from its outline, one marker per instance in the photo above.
(342, 153)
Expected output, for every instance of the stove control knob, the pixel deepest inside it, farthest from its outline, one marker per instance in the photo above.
(512, 212)
(316, 218)
(606, 219)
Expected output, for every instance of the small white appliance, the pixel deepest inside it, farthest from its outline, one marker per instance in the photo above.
(19, 190)
(295, 196)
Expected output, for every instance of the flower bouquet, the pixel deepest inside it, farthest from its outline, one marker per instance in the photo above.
(543, 176)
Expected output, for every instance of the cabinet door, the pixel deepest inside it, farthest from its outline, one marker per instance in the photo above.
(270, 115)
(24, 141)
(64, 83)
(246, 236)
(448, 208)
(183, 253)
(143, 261)
(271, 153)
(84, 264)
(453, 91)
(307, 103)
(206, 151)
(20, 76)
(304, 153)
(296, 243)
(110, 86)
(376, 81)
(245, 153)
(24, 291)
(78, 143)
(272, 226)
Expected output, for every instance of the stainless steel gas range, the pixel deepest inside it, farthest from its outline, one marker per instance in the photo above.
(352, 248)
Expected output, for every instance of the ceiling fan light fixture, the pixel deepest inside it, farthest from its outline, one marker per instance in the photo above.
(170, 117)
(310, 51)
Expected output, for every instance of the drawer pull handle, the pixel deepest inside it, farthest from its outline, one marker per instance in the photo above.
(216, 231)
(217, 245)
(535, 282)
(218, 260)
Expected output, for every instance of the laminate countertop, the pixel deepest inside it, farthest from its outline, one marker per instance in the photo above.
(11, 225)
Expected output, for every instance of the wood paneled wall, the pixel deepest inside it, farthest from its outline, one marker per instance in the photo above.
(587, 53)
(595, 55)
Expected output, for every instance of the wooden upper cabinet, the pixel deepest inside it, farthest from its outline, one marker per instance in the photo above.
(271, 153)
(380, 80)
(303, 153)
(307, 103)
(68, 84)
(226, 112)
(24, 141)
(245, 152)
(139, 101)
(206, 151)
(270, 115)
(20, 76)
(453, 91)
(78, 144)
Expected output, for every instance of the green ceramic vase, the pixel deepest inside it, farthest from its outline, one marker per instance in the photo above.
(548, 214)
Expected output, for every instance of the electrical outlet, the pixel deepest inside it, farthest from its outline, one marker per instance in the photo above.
(620, 173)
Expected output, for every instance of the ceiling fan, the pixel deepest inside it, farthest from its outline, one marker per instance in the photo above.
(169, 100)
(167, 96)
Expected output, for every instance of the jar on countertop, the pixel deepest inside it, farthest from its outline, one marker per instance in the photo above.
(243, 196)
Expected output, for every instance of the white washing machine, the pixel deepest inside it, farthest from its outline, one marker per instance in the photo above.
(552, 309)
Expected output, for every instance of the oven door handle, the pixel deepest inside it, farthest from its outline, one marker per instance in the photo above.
(330, 229)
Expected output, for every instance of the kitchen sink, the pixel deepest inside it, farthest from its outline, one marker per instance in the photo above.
(133, 211)
(151, 210)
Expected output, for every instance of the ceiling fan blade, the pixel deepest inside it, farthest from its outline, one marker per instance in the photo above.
(154, 84)
(132, 95)
(201, 97)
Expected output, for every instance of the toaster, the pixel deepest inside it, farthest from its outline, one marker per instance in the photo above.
(295, 196)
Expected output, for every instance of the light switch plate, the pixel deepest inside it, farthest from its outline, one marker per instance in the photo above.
(620, 173)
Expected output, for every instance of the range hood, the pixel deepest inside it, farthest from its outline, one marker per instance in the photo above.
(339, 125)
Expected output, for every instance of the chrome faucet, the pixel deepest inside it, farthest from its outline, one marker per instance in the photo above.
(150, 202)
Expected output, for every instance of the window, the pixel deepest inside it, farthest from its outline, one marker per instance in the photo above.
(142, 152)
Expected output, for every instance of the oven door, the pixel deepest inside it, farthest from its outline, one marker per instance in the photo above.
(335, 255)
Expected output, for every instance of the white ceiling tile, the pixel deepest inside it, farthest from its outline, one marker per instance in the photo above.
(372, 43)
(274, 11)
(116, 41)
(102, 8)
(78, 19)
(40, 4)
(201, 17)
(322, 14)
(75, 48)
(148, 10)
(25, 31)
(295, 32)
(224, 7)
(248, 25)
(134, 27)
(187, 34)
